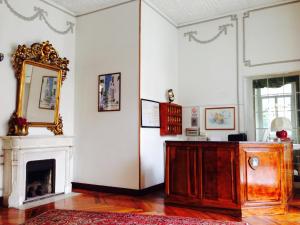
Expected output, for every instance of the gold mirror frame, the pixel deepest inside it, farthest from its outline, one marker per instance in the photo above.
(42, 55)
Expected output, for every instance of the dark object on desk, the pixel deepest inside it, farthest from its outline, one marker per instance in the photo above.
(1, 57)
(237, 137)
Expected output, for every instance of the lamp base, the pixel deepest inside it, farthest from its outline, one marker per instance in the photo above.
(281, 134)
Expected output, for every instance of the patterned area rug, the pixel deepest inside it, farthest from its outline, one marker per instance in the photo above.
(69, 217)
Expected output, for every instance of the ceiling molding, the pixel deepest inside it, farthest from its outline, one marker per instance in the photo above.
(158, 11)
(210, 19)
(106, 8)
(178, 13)
(58, 8)
(205, 21)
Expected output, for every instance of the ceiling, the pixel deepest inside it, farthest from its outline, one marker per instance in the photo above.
(178, 11)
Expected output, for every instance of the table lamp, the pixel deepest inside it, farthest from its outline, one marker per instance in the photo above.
(281, 125)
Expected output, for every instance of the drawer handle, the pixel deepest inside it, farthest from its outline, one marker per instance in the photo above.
(254, 162)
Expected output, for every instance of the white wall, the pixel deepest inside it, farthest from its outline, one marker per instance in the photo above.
(107, 154)
(209, 73)
(15, 31)
(271, 36)
(159, 72)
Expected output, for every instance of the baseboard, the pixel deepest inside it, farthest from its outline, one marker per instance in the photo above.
(115, 190)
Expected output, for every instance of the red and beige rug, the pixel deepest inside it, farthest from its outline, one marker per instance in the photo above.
(69, 217)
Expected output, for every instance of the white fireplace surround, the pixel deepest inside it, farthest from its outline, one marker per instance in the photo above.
(19, 150)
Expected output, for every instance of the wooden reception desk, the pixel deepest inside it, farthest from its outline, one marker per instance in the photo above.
(236, 177)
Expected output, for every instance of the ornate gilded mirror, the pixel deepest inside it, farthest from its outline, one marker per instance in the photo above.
(40, 73)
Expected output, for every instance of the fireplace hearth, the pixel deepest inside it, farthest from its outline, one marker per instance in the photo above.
(40, 178)
(36, 167)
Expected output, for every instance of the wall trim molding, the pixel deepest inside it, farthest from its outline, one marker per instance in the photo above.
(246, 15)
(233, 18)
(40, 14)
(222, 29)
(116, 190)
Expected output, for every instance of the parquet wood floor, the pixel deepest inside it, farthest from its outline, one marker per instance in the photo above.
(148, 204)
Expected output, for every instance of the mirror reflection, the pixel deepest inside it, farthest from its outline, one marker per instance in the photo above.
(39, 94)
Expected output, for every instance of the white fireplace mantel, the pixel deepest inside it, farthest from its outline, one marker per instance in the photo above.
(18, 150)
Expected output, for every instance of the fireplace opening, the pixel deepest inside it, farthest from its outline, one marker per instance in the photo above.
(40, 179)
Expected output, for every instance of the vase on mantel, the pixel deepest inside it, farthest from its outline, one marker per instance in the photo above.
(21, 130)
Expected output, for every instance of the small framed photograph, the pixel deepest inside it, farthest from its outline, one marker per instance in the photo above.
(195, 115)
(150, 114)
(48, 93)
(222, 118)
(109, 92)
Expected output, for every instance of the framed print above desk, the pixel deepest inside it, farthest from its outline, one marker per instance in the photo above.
(221, 118)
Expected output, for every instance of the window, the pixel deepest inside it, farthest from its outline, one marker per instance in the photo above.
(276, 97)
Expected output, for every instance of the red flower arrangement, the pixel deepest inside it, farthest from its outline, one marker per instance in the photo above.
(20, 121)
(20, 126)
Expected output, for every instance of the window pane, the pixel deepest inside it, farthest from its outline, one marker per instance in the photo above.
(264, 92)
(294, 135)
(275, 91)
(287, 89)
(258, 120)
(261, 134)
(272, 135)
(263, 120)
(281, 114)
(288, 114)
(271, 105)
(265, 104)
(277, 99)
(287, 103)
(257, 103)
(280, 104)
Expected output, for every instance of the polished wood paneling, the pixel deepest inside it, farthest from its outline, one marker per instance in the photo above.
(264, 184)
(218, 173)
(224, 178)
(270, 186)
(149, 204)
(183, 164)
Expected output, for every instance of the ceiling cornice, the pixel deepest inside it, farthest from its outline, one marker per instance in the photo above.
(54, 5)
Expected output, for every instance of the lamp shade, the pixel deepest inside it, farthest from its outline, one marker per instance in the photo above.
(281, 123)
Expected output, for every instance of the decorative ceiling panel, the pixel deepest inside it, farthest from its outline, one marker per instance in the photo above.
(179, 11)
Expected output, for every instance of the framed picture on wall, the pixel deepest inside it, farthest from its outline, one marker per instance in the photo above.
(150, 114)
(109, 92)
(222, 118)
